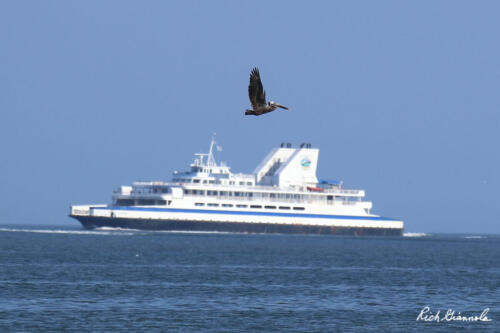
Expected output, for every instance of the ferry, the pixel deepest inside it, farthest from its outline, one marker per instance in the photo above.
(282, 195)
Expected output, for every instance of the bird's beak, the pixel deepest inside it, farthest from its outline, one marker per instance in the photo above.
(281, 106)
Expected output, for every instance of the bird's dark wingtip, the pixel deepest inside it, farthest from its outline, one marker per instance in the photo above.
(255, 71)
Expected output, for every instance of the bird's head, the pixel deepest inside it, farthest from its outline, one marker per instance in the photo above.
(274, 104)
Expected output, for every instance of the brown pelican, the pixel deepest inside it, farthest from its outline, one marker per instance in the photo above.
(257, 96)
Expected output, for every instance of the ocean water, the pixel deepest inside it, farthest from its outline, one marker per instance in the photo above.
(69, 279)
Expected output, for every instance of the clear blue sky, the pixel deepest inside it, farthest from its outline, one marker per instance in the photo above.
(401, 97)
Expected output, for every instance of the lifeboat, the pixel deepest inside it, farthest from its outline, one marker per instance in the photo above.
(315, 189)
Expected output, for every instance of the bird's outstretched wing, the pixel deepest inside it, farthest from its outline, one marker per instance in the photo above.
(256, 92)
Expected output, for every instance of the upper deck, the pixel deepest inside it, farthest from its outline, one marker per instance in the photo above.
(285, 175)
(156, 187)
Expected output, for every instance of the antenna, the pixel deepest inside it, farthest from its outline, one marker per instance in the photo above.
(210, 158)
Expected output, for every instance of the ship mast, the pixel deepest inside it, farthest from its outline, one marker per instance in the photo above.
(210, 157)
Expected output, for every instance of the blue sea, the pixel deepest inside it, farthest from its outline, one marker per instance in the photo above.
(55, 278)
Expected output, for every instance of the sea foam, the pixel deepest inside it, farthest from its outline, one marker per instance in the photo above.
(415, 234)
(70, 232)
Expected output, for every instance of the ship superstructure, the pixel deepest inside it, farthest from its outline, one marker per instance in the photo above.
(282, 195)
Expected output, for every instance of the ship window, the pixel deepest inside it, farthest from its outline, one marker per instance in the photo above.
(249, 183)
(212, 193)
(211, 181)
(231, 182)
(205, 181)
(125, 202)
(298, 208)
(223, 193)
(284, 207)
(227, 205)
(213, 205)
(145, 202)
(161, 202)
(237, 194)
(272, 195)
(242, 183)
(241, 206)
(255, 206)
(199, 204)
(270, 207)
(196, 180)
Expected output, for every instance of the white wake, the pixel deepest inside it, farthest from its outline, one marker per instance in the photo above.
(68, 232)
(415, 234)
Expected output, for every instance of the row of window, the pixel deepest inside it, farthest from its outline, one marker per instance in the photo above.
(264, 195)
(211, 181)
(207, 170)
(246, 194)
(155, 189)
(201, 204)
(218, 193)
(142, 202)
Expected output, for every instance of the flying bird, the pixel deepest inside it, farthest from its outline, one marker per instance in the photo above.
(257, 96)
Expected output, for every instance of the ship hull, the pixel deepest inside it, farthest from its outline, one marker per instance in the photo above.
(92, 222)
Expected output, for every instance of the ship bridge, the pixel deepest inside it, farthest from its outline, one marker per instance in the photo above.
(206, 170)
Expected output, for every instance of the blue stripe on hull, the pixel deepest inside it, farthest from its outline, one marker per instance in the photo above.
(228, 212)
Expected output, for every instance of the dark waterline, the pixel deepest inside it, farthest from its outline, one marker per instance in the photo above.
(68, 278)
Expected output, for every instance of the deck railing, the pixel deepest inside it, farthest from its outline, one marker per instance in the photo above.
(252, 188)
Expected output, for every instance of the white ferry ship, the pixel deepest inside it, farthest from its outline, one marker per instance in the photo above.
(282, 195)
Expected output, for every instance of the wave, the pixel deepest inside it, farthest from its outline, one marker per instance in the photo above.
(189, 232)
(115, 229)
(415, 234)
(70, 232)
(110, 231)
(474, 237)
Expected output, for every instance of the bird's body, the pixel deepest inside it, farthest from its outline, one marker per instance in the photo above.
(257, 96)
(265, 108)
